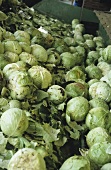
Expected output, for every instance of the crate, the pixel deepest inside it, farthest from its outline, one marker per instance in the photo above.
(97, 5)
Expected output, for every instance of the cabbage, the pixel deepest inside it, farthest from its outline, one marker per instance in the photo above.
(101, 90)
(41, 77)
(80, 27)
(91, 44)
(70, 41)
(10, 68)
(11, 56)
(20, 92)
(78, 38)
(92, 81)
(20, 78)
(28, 58)
(74, 23)
(99, 42)
(88, 36)
(12, 46)
(53, 57)
(3, 61)
(7, 35)
(106, 166)
(56, 94)
(75, 73)
(27, 158)
(92, 57)
(98, 102)
(107, 78)
(100, 153)
(77, 108)
(76, 89)
(98, 117)
(104, 67)
(76, 162)
(25, 47)
(16, 121)
(96, 135)
(39, 52)
(68, 60)
(4, 104)
(22, 36)
(93, 72)
(15, 104)
(81, 51)
(106, 54)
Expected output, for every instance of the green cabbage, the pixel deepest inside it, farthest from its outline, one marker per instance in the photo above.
(77, 108)
(27, 158)
(16, 121)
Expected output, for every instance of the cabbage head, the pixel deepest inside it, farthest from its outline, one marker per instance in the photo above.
(25, 47)
(76, 89)
(104, 67)
(3, 61)
(67, 60)
(12, 46)
(39, 52)
(98, 117)
(92, 81)
(27, 159)
(74, 23)
(53, 57)
(93, 72)
(76, 162)
(14, 122)
(22, 36)
(80, 27)
(20, 92)
(91, 44)
(98, 102)
(106, 54)
(100, 153)
(56, 94)
(92, 57)
(28, 58)
(96, 135)
(15, 104)
(77, 108)
(41, 77)
(75, 73)
(11, 67)
(7, 35)
(101, 90)
(107, 78)
(11, 56)
(99, 41)
(106, 166)
(88, 36)
(20, 78)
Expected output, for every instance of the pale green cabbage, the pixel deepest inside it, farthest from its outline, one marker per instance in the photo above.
(16, 121)
(77, 108)
(41, 77)
(27, 158)
(56, 94)
(76, 163)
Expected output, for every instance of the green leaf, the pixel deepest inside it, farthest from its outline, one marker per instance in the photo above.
(49, 133)
(3, 142)
(41, 95)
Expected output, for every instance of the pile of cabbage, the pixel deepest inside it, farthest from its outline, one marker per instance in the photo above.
(55, 93)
